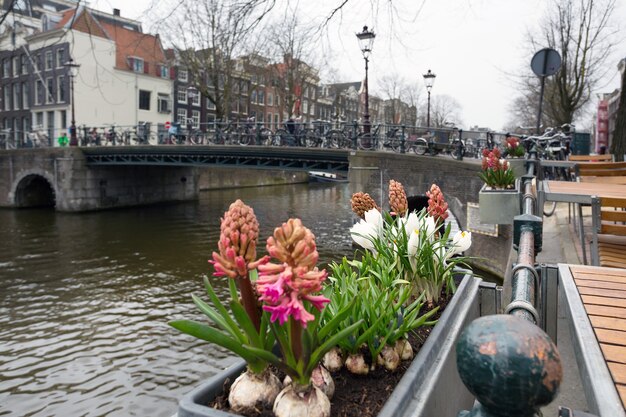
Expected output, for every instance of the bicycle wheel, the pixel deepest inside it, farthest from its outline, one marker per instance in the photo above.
(311, 139)
(396, 144)
(420, 147)
(245, 138)
(266, 136)
(365, 141)
(335, 139)
(550, 211)
(281, 138)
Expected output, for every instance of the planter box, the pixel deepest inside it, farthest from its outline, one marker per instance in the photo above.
(499, 206)
(431, 386)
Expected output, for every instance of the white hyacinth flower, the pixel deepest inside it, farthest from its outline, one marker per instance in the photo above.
(461, 242)
(365, 232)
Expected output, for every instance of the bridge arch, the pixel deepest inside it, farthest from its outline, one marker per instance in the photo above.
(34, 189)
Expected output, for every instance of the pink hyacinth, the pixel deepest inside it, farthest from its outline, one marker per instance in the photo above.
(437, 206)
(283, 287)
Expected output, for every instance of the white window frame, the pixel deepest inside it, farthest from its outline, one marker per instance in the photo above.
(209, 104)
(60, 87)
(270, 99)
(7, 97)
(6, 68)
(181, 95)
(49, 61)
(49, 91)
(25, 95)
(261, 98)
(16, 66)
(60, 57)
(137, 64)
(161, 99)
(181, 116)
(165, 71)
(17, 95)
(195, 98)
(195, 118)
(38, 87)
(183, 75)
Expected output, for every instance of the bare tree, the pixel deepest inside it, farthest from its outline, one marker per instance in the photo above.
(580, 31)
(290, 43)
(207, 37)
(444, 110)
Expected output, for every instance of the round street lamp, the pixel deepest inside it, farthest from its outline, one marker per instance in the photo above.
(73, 71)
(429, 80)
(366, 41)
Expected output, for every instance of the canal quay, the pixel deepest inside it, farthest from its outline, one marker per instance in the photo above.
(85, 296)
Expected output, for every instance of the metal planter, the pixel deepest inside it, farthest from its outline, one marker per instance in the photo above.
(499, 206)
(430, 387)
(518, 165)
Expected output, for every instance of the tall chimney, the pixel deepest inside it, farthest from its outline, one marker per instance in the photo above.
(116, 12)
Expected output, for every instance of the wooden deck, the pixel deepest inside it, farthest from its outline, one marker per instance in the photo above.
(603, 294)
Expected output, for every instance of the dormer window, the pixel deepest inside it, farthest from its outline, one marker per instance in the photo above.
(182, 75)
(164, 71)
(136, 64)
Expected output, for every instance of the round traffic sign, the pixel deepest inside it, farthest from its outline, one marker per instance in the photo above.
(168, 125)
(546, 62)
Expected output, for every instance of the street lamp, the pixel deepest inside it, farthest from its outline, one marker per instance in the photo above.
(366, 41)
(73, 70)
(429, 80)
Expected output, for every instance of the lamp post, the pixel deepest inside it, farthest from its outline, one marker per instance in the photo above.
(366, 41)
(429, 80)
(73, 70)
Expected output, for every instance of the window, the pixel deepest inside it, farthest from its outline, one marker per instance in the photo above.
(182, 75)
(17, 94)
(61, 89)
(163, 103)
(38, 62)
(181, 116)
(48, 60)
(253, 97)
(195, 97)
(16, 66)
(181, 95)
(270, 99)
(312, 109)
(38, 91)
(276, 120)
(63, 119)
(195, 119)
(164, 72)
(313, 91)
(7, 98)
(209, 104)
(39, 120)
(305, 106)
(261, 98)
(24, 64)
(136, 64)
(25, 101)
(60, 57)
(49, 90)
(6, 68)
(306, 91)
(144, 100)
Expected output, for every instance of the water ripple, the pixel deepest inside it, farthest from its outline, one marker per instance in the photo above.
(85, 299)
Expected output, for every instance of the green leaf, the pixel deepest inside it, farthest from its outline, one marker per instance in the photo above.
(334, 322)
(220, 307)
(222, 320)
(246, 324)
(204, 332)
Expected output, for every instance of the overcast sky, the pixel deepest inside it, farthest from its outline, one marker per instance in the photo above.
(473, 46)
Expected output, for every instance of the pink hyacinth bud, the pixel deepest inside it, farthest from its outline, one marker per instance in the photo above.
(437, 206)
(239, 232)
(397, 198)
(283, 287)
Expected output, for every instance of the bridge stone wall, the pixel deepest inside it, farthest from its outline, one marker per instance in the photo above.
(78, 187)
(459, 181)
(214, 178)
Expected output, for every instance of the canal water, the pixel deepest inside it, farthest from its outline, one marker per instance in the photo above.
(85, 298)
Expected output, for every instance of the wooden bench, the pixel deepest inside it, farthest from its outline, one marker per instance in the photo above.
(610, 232)
(600, 169)
(590, 158)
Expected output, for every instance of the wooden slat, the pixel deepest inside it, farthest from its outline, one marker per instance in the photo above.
(612, 263)
(589, 172)
(603, 301)
(601, 292)
(602, 165)
(604, 180)
(609, 214)
(613, 353)
(600, 284)
(618, 372)
(596, 270)
(591, 158)
(604, 278)
(618, 202)
(606, 311)
(613, 337)
(610, 323)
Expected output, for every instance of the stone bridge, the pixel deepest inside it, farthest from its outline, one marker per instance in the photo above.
(74, 180)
